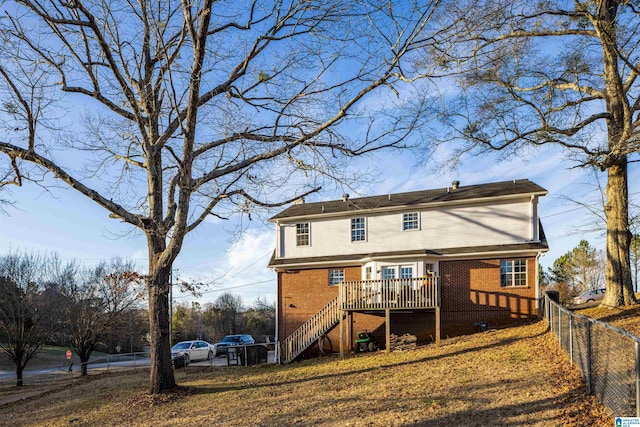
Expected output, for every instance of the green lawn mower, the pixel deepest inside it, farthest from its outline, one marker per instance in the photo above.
(365, 342)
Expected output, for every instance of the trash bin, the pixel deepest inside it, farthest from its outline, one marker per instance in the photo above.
(554, 296)
(254, 354)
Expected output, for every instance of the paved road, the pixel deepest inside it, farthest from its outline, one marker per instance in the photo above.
(9, 376)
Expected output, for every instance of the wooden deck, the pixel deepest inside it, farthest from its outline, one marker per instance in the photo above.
(378, 296)
(390, 294)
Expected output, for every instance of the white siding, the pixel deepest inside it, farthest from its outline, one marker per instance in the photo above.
(452, 227)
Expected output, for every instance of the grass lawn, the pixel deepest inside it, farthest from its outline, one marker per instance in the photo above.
(516, 376)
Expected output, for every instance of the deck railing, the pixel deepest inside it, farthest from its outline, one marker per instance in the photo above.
(423, 292)
(310, 331)
(395, 294)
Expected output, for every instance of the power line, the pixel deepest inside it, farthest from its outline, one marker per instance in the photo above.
(238, 286)
(563, 212)
(231, 287)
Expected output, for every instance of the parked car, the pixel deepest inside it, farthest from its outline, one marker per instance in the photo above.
(220, 348)
(590, 296)
(189, 351)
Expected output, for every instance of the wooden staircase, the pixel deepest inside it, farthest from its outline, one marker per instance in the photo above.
(310, 331)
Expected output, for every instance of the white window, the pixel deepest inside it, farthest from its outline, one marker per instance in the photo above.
(388, 272)
(513, 272)
(410, 221)
(406, 272)
(368, 273)
(336, 276)
(358, 231)
(302, 234)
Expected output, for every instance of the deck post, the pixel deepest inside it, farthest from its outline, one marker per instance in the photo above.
(341, 334)
(387, 329)
(438, 326)
(350, 332)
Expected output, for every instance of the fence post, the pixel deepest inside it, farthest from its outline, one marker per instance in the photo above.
(637, 345)
(588, 370)
(571, 337)
(559, 326)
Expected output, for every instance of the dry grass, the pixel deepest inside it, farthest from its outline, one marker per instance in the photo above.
(627, 318)
(516, 377)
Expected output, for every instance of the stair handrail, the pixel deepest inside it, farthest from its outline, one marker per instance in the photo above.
(310, 331)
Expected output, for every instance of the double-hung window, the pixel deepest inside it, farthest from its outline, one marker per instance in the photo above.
(336, 276)
(358, 229)
(410, 221)
(302, 234)
(513, 272)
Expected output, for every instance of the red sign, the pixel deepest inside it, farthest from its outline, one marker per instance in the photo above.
(69, 354)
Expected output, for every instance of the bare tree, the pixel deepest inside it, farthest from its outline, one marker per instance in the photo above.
(228, 308)
(96, 299)
(546, 72)
(25, 315)
(203, 108)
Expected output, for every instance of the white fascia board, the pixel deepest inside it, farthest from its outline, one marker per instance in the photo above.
(302, 265)
(448, 257)
(477, 201)
(491, 255)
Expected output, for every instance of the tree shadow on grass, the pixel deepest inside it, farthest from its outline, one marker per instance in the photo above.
(500, 343)
(541, 411)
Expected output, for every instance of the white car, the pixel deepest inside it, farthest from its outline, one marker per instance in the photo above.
(190, 351)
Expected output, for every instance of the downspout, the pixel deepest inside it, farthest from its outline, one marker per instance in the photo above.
(535, 232)
(537, 281)
(277, 335)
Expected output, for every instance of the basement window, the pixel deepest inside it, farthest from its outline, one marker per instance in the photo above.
(336, 276)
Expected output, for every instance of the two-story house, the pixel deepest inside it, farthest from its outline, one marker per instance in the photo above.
(429, 263)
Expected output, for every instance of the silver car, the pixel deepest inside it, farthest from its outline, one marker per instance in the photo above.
(190, 351)
(590, 296)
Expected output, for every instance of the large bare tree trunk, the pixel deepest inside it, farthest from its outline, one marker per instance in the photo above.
(161, 377)
(19, 371)
(619, 284)
(618, 270)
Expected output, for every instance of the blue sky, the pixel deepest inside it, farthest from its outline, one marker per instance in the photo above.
(63, 221)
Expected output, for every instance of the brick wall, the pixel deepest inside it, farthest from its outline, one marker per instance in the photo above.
(471, 293)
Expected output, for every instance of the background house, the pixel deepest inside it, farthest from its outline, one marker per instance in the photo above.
(476, 246)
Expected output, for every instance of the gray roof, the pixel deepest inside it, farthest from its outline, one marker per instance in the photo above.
(413, 198)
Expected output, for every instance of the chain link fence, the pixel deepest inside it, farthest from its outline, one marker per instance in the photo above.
(608, 357)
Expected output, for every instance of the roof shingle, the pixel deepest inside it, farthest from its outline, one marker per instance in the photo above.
(413, 198)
